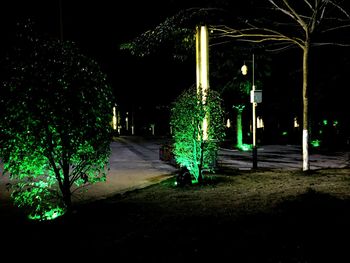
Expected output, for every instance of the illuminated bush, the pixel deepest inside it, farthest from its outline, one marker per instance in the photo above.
(190, 148)
(54, 130)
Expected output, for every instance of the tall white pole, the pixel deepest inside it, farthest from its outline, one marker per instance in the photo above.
(202, 68)
(254, 103)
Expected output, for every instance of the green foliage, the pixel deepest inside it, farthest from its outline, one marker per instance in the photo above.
(54, 132)
(187, 115)
(176, 35)
(39, 198)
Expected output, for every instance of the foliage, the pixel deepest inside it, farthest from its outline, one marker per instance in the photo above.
(55, 133)
(301, 24)
(176, 34)
(187, 115)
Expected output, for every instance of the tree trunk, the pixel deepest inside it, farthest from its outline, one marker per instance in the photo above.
(200, 175)
(67, 195)
(305, 139)
(66, 191)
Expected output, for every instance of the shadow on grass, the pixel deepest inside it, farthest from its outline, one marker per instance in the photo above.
(163, 223)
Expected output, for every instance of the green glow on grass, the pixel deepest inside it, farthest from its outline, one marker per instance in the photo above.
(246, 147)
(315, 143)
(48, 215)
(325, 122)
(194, 181)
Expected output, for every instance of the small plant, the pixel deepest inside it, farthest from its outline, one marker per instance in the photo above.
(191, 149)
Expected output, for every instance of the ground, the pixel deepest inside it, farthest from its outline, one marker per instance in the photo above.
(235, 216)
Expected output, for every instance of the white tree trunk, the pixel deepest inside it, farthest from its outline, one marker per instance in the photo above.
(305, 139)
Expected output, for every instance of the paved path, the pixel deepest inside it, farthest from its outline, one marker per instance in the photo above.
(286, 157)
(135, 163)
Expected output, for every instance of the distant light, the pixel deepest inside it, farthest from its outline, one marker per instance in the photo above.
(260, 122)
(246, 147)
(316, 143)
(114, 120)
(244, 69)
(296, 124)
(228, 123)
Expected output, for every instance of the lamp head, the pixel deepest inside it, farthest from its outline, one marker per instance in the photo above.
(244, 69)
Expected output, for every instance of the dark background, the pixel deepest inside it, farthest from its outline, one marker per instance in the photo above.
(145, 87)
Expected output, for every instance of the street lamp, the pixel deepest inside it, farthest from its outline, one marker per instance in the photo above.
(255, 98)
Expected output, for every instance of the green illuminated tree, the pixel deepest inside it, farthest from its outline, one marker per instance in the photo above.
(56, 108)
(191, 150)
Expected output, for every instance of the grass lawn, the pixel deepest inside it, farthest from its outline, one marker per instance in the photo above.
(236, 216)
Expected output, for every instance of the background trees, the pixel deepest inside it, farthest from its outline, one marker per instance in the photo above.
(55, 124)
(272, 27)
(303, 24)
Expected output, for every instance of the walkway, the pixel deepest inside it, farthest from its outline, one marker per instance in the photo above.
(135, 164)
(282, 157)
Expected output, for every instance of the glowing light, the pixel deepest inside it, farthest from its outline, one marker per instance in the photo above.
(114, 119)
(194, 181)
(48, 215)
(316, 143)
(239, 132)
(296, 123)
(228, 123)
(260, 123)
(244, 69)
(204, 61)
(325, 122)
(239, 127)
(246, 147)
(202, 69)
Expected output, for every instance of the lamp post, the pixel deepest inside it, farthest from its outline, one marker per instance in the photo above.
(254, 99)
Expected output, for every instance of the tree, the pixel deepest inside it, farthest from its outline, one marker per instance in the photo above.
(191, 150)
(303, 24)
(176, 35)
(55, 126)
(233, 86)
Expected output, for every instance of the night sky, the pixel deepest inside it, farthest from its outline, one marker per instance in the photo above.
(99, 27)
